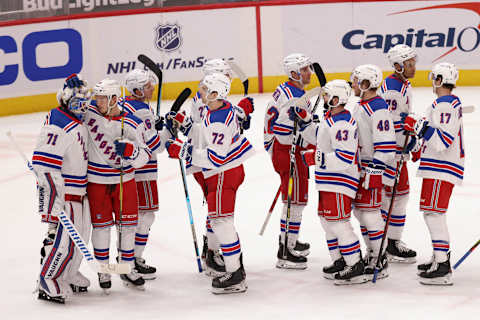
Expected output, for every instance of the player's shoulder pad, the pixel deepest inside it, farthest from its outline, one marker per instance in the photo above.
(392, 83)
(225, 114)
(373, 105)
(344, 116)
(453, 100)
(61, 119)
(131, 105)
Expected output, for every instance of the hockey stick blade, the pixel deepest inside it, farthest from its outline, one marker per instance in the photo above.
(73, 232)
(151, 65)
(319, 73)
(241, 75)
(177, 104)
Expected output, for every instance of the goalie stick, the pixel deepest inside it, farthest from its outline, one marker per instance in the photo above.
(176, 107)
(73, 232)
(157, 71)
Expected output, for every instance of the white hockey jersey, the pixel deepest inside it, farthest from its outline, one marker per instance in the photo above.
(155, 140)
(277, 124)
(103, 161)
(443, 151)
(221, 146)
(197, 111)
(397, 93)
(62, 146)
(376, 140)
(337, 137)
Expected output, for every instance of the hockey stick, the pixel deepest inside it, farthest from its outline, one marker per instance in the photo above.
(175, 107)
(321, 79)
(269, 214)
(392, 199)
(157, 71)
(239, 72)
(73, 232)
(466, 255)
(120, 196)
(290, 186)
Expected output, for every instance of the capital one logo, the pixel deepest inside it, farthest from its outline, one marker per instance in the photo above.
(451, 38)
(168, 37)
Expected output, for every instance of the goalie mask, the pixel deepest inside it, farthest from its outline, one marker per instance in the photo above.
(76, 99)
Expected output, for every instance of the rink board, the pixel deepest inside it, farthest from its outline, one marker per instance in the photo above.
(38, 54)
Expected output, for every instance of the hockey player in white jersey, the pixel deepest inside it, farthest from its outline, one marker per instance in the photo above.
(115, 148)
(441, 166)
(337, 177)
(220, 153)
(377, 147)
(191, 121)
(396, 91)
(140, 84)
(60, 162)
(278, 128)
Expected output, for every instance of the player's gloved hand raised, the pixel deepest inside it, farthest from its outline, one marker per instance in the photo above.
(125, 148)
(174, 120)
(247, 105)
(178, 149)
(373, 176)
(74, 81)
(417, 125)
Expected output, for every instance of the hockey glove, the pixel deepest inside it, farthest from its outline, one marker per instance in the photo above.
(304, 118)
(179, 150)
(178, 120)
(159, 123)
(125, 148)
(415, 147)
(373, 176)
(247, 105)
(74, 81)
(246, 123)
(417, 125)
(51, 193)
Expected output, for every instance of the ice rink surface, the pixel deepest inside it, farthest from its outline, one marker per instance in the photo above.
(180, 292)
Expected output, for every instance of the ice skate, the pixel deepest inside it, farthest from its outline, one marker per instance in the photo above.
(79, 283)
(352, 274)
(337, 266)
(397, 252)
(230, 282)
(440, 273)
(293, 260)
(302, 248)
(383, 268)
(56, 291)
(133, 280)
(425, 266)
(147, 272)
(105, 282)
(215, 267)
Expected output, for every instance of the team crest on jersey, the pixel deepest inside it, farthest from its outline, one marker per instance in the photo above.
(168, 37)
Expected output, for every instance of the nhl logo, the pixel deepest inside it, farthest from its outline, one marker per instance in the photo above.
(168, 37)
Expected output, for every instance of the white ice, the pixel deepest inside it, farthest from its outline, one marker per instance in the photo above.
(180, 292)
